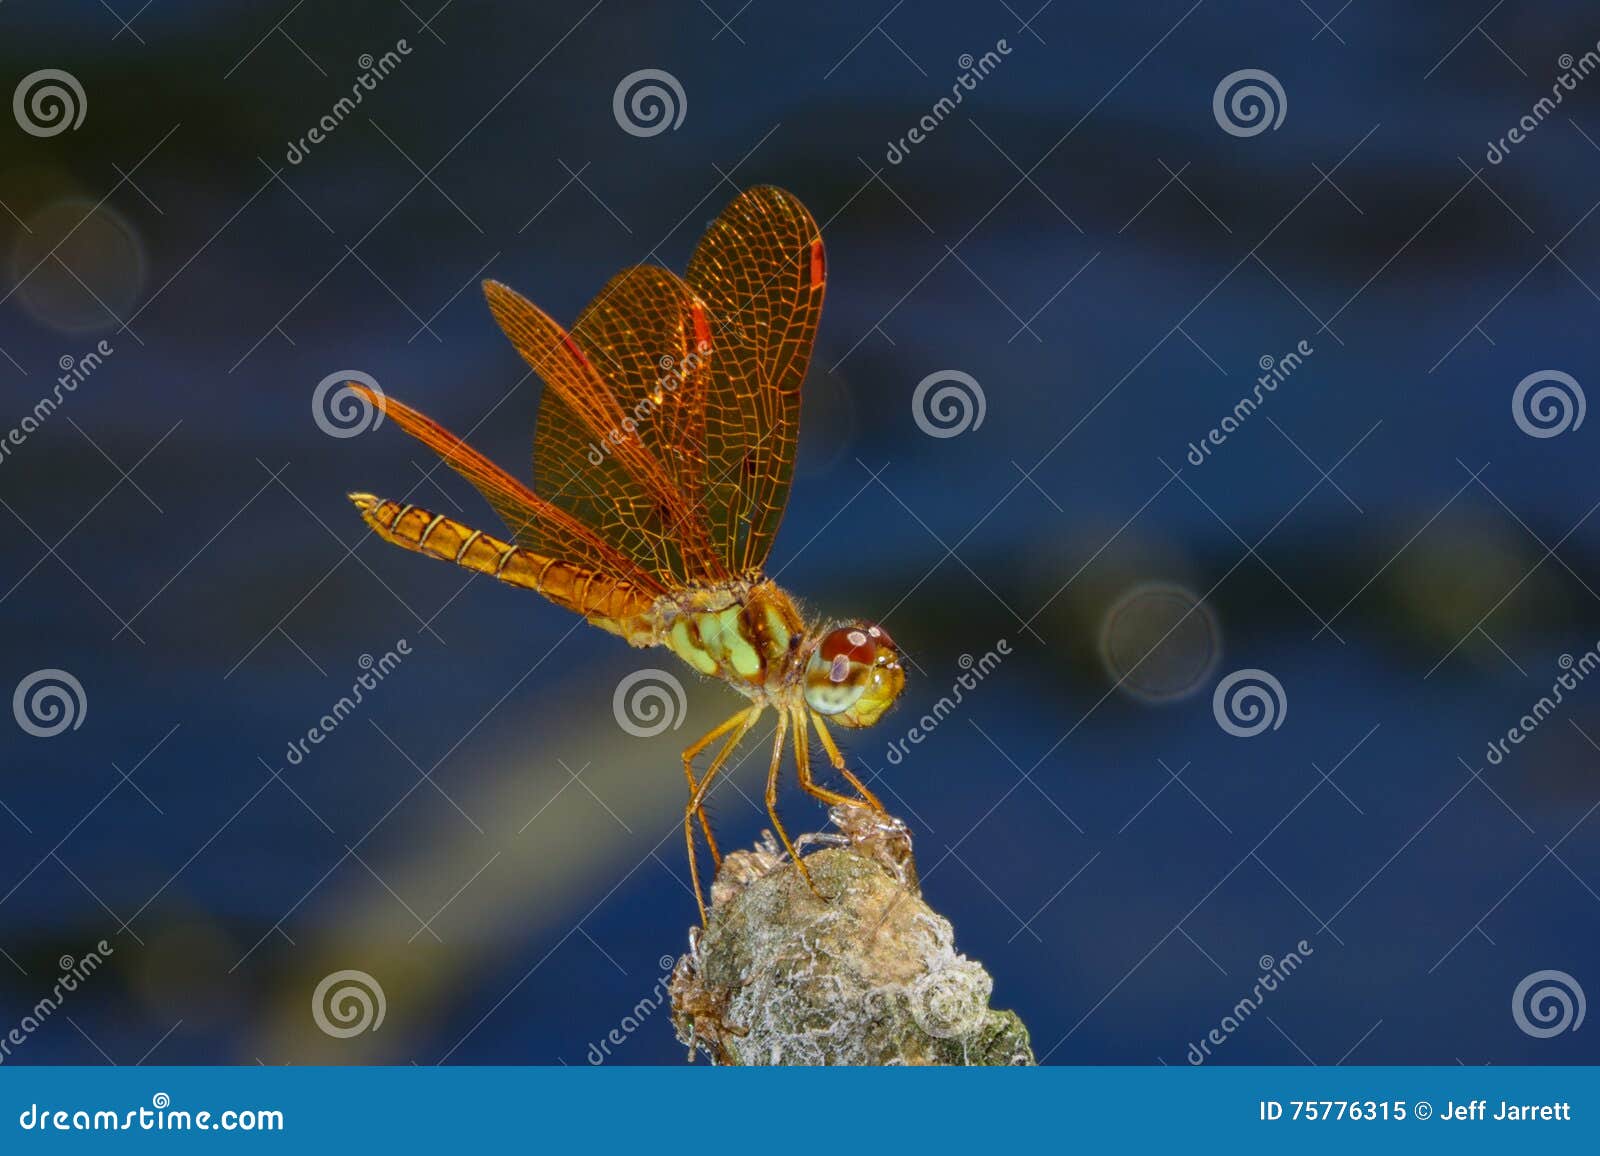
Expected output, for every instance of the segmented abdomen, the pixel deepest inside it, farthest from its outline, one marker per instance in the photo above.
(607, 601)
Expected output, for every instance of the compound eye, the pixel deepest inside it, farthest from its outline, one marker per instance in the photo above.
(851, 644)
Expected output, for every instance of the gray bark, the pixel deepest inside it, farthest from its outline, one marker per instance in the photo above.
(868, 974)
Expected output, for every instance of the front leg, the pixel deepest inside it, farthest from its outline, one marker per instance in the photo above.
(837, 759)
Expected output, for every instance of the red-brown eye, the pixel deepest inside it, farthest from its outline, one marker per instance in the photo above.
(882, 637)
(852, 643)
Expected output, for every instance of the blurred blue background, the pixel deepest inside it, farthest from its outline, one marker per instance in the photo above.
(1082, 238)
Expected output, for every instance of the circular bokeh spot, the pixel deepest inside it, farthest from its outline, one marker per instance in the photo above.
(78, 263)
(1159, 642)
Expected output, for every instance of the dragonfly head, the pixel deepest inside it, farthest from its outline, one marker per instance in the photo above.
(854, 674)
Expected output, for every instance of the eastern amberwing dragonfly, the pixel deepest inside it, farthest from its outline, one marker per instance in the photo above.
(663, 456)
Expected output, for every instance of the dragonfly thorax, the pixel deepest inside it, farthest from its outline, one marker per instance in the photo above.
(747, 633)
(751, 635)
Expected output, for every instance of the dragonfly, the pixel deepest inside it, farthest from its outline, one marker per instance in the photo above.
(663, 455)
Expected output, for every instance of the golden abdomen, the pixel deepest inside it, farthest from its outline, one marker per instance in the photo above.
(743, 631)
(607, 602)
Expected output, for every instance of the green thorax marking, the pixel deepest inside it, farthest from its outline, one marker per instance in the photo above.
(739, 641)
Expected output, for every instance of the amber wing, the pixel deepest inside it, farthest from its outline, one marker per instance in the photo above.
(761, 271)
(666, 436)
(646, 501)
(649, 341)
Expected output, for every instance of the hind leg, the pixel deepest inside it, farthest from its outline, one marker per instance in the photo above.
(735, 728)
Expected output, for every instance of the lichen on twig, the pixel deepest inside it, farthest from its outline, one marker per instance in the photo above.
(867, 975)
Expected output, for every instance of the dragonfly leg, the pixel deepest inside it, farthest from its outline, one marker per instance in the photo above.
(772, 802)
(802, 759)
(694, 752)
(837, 759)
(735, 728)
